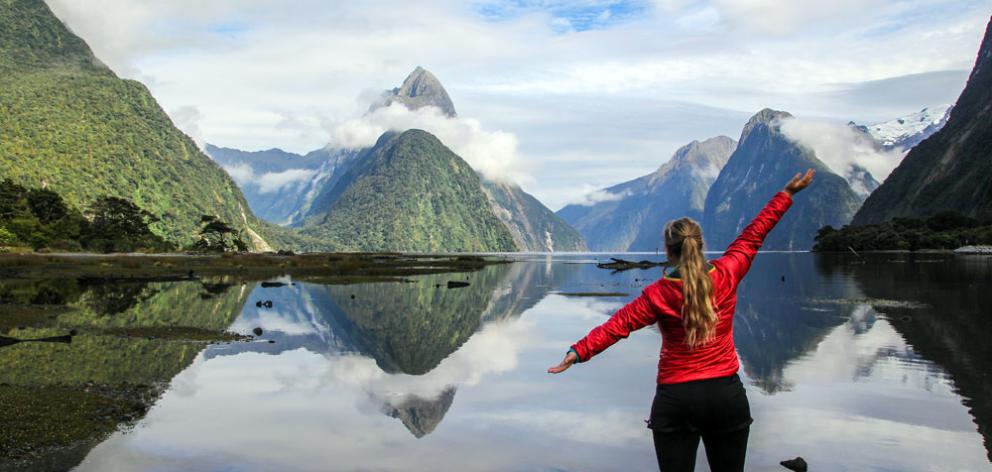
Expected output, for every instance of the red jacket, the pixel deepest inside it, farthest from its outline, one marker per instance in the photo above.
(661, 302)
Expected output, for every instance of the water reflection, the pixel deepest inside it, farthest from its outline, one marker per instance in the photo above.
(854, 365)
(59, 400)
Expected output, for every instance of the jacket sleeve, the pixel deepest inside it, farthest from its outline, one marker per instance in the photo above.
(632, 317)
(737, 259)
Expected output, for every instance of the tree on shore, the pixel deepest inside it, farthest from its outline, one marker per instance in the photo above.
(119, 225)
(217, 236)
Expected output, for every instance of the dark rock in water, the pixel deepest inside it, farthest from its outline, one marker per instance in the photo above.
(353, 296)
(437, 285)
(621, 265)
(273, 284)
(457, 284)
(798, 464)
(267, 304)
(257, 331)
(272, 341)
(783, 278)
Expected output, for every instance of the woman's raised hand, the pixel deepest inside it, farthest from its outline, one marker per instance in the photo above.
(567, 362)
(799, 182)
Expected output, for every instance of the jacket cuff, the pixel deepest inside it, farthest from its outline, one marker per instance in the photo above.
(578, 356)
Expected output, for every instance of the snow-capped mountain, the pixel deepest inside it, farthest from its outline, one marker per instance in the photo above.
(908, 131)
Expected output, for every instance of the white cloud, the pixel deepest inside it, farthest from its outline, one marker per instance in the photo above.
(241, 173)
(271, 182)
(493, 153)
(187, 118)
(590, 197)
(839, 146)
(778, 17)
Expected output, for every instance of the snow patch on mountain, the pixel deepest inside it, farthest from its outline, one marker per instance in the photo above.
(908, 131)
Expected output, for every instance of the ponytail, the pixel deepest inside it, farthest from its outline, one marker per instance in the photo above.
(684, 239)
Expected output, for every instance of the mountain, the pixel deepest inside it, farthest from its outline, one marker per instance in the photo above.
(70, 124)
(763, 162)
(421, 416)
(906, 132)
(951, 170)
(533, 226)
(632, 220)
(420, 89)
(409, 193)
(281, 186)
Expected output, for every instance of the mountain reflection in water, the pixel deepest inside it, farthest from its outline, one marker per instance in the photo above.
(855, 365)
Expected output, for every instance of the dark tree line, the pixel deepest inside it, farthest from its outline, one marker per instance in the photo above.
(945, 230)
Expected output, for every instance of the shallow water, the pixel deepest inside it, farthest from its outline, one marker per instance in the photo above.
(854, 365)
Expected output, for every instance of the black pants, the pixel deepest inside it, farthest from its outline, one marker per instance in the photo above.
(714, 410)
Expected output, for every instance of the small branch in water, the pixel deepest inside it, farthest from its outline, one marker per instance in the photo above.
(620, 265)
(856, 253)
(5, 341)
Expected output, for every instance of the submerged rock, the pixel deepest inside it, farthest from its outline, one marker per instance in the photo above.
(457, 284)
(798, 464)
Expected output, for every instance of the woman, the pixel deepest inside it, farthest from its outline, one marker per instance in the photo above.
(699, 394)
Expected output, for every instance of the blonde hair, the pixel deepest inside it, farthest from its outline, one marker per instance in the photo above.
(684, 240)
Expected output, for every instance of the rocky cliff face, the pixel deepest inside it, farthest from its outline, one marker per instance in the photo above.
(420, 89)
(951, 170)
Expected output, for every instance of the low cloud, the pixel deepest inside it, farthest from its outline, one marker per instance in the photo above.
(492, 153)
(269, 182)
(840, 146)
(274, 181)
(591, 197)
(187, 118)
(241, 173)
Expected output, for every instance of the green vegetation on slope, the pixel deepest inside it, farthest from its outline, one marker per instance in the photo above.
(71, 125)
(410, 193)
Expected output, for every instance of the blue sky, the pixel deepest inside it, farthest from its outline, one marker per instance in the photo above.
(563, 97)
(567, 16)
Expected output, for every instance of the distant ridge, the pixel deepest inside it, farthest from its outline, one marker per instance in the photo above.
(632, 219)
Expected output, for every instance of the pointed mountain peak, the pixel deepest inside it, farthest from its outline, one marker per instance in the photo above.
(420, 89)
(707, 157)
(766, 118)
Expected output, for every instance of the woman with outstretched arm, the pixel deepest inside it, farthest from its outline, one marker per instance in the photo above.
(699, 395)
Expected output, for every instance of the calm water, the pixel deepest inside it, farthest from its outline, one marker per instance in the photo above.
(876, 365)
